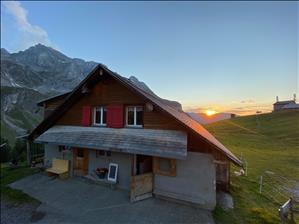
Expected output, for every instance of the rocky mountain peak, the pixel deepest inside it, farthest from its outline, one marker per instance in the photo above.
(4, 51)
(41, 56)
(43, 69)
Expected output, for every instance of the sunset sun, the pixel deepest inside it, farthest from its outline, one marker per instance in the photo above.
(210, 112)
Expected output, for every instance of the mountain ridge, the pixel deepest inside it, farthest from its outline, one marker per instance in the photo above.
(29, 76)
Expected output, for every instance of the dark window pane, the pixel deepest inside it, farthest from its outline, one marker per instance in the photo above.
(130, 118)
(61, 148)
(164, 165)
(98, 116)
(139, 117)
(80, 153)
(104, 115)
(100, 153)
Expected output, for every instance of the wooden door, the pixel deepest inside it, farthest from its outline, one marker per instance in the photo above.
(80, 161)
(142, 178)
(141, 187)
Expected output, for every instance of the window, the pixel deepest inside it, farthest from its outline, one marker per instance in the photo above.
(61, 148)
(134, 115)
(99, 116)
(164, 166)
(102, 153)
(108, 153)
(80, 153)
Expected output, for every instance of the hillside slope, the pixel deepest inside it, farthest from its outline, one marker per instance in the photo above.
(27, 77)
(270, 144)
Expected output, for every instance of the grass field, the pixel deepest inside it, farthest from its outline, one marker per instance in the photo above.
(268, 142)
(10, 175)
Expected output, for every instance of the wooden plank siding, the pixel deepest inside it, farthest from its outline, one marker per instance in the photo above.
(196, 144)
(51, 105)
(113, 93)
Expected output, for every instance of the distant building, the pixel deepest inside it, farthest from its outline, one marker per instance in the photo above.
(285, 105)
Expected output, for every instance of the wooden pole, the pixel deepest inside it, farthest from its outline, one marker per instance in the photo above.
(28, 153)
(261, 184)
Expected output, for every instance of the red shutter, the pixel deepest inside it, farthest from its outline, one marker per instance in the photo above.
(115, 116)
(86, 115)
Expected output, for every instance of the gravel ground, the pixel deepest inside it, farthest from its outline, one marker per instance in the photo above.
(19, 213)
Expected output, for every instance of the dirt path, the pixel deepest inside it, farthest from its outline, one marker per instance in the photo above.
(241, 127)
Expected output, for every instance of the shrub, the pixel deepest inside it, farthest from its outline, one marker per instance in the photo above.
(4, 151)
(19, 151)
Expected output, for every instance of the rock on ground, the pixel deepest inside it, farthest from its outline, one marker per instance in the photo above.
(225, 200)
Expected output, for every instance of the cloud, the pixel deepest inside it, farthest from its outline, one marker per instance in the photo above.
(30, 34)
(241, 108)
(247, 101)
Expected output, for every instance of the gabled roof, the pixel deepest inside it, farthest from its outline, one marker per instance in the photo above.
(40, 103)
(178, 115)
(284, 102)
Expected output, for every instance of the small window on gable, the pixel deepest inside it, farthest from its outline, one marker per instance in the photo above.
(134, 116)
(165, 166)
(99, 116)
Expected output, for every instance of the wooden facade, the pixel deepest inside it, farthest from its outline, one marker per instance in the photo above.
(113, 93)
(109, 92)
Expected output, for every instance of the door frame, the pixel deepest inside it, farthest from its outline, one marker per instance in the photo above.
(85, 158)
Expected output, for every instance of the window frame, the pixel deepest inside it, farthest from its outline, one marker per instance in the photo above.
(172, 167)
(95, 110)
(102, 153)
(135, 125)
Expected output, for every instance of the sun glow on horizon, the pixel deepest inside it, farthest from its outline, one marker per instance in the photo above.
(210, 112)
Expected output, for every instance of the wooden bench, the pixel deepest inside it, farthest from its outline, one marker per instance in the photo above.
(59, 167)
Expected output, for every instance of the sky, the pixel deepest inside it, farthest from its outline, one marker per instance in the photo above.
(223, 56)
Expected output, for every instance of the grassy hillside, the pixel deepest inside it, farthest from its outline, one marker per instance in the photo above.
(268, 142)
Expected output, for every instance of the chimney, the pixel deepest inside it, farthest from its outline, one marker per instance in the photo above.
(294, 97)
(277, 99)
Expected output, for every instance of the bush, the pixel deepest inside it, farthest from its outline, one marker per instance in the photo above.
(19, 151)
(4, 151)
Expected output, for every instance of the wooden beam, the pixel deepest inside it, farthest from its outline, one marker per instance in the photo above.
(28, 153)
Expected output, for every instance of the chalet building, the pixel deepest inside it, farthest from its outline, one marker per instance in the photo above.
(157, 148)
(285, 105)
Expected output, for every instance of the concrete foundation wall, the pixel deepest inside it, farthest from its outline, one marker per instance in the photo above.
(194, 183)
(124, 166)
(51, 151)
